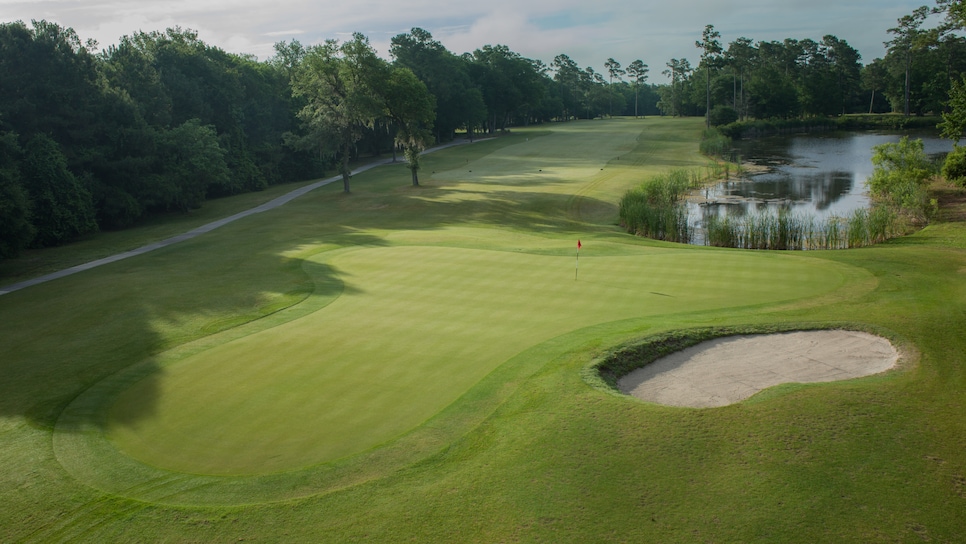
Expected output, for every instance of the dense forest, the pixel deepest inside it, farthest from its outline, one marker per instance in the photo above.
(803, 77)
(99, 139)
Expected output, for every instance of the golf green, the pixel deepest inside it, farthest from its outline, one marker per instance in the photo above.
(414, 329)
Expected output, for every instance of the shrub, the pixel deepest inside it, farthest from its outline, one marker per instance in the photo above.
(954, 169)
(901, 171)
(722, 115)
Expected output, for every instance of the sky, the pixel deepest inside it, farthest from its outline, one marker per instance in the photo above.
(589, 31)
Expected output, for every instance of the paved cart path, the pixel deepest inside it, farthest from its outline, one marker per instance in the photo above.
(272, 204)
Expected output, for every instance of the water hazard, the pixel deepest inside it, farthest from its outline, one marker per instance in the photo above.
(820, 175)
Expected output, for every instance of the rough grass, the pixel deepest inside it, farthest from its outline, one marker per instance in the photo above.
(460, 294)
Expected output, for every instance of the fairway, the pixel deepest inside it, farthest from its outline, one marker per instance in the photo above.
(409, 364)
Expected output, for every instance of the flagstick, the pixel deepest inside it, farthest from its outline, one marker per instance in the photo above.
(577, 264)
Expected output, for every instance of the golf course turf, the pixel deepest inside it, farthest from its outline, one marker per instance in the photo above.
(411, 364)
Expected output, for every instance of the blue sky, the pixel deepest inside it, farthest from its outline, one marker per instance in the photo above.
(588, 31)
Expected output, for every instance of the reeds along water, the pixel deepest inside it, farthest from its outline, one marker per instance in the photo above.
(787, 231)
(656, 209)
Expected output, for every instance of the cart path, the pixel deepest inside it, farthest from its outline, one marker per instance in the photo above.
(272, 204)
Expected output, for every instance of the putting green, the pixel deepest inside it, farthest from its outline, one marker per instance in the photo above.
(415, 328)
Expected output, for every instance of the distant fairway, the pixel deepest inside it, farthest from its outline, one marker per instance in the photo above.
(410, 364)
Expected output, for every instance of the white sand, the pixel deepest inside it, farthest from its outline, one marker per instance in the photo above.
(727, 370)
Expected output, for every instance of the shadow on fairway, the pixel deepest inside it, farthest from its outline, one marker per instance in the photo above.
(433, 206)
(54, 382)
(75, 344)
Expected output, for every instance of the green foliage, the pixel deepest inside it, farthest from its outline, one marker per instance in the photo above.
(459, 103)
(953, 124)
(637, 72)
(808, 78)
(109, 114)
(770, 127)
(655, 209)
(723, 115)
(116, 208)
(715, 143)
(901, 171)
(341, 87)
(16, 230)
(919, 64)
(50, 85)
(785, 231)
(412, 110)
(510, 85)
(882, 223)
(192, 164)
(954, 168)
(61, 208)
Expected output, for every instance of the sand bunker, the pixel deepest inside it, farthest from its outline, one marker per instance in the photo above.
(726, 370)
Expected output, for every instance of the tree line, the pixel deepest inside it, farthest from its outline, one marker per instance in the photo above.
(162, 121)
(797, 78)
(156, 123)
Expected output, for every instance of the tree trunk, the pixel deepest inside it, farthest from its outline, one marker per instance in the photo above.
(908, 62)
(707, 109)
(345, 169)
(744, 106)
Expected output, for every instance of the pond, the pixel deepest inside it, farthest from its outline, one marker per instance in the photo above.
(820, 175)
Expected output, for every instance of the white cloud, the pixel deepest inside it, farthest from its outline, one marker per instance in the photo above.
(588, 32)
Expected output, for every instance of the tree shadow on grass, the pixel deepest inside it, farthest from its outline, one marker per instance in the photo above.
(69, 335)
(80, 341)
(541, 213)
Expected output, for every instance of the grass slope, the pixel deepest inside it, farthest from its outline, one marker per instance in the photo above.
(405, 364)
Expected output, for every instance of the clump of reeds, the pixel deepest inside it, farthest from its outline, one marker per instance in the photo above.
(714, 143)
(656, 208)
(787, 231)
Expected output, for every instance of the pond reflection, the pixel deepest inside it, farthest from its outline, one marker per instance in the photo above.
(818, 175)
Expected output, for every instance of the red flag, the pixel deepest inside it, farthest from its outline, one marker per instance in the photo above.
(577, 262)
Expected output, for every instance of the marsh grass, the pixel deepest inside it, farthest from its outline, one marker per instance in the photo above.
(656, 208)
(789, 231)
(714, 143)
